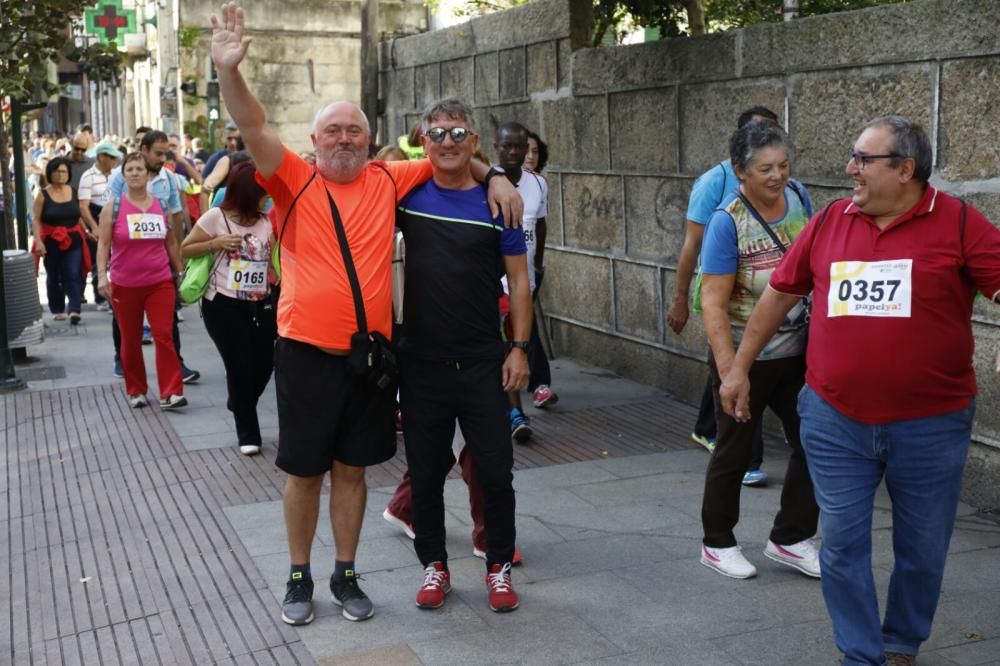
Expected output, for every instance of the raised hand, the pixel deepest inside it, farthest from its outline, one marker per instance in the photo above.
(229, 43)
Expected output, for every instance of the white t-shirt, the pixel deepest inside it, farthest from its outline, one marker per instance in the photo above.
(534, 192)
(94, 186)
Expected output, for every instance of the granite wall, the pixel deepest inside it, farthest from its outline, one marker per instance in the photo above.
(305, 53)
(630, 128)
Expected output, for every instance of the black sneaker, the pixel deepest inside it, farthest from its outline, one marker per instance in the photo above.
(189, 376)
(355, 604)
(297, 608)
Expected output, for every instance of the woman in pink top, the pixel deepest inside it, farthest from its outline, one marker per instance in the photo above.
(238, 310)
(136, 229)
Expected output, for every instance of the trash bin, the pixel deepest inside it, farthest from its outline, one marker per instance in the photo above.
(25, 325)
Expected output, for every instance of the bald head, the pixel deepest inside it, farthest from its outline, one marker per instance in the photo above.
(340, 136)
(340, 113)
(79, 146)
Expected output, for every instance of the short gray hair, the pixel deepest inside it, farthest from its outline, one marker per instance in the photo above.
(325, 108)
(452, 108)
(909, 140)
(753, 136)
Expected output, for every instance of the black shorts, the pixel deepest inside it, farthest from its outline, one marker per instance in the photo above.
(327, 414)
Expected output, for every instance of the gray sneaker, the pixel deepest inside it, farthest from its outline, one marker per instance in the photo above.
(297, 608)
(355, 604)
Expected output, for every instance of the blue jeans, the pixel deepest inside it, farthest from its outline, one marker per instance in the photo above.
(63, 277)
(923, 461)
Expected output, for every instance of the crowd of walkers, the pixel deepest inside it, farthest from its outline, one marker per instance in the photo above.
(397, 284)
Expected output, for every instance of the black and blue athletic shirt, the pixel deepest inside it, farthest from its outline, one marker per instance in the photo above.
(454, 262)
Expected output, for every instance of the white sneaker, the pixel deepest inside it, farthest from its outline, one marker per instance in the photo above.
(136, 401)
(392, 519)
(728, 562)
(249, 449)
(173, 402)
(803, 556)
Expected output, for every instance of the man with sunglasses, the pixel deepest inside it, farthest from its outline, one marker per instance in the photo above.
(78, 160)
(331, 420)
(453, 360)
(890, 387)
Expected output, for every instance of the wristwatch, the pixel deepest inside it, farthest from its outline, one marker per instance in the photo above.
(519, 344)
(494, 171)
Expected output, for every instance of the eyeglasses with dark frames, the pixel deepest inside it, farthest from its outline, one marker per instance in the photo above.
(862, 160)
(458, 134)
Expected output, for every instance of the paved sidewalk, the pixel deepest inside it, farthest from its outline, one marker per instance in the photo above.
(141, 537)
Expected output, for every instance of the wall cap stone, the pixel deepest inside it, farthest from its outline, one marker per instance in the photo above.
(907, 32)
(527, 24)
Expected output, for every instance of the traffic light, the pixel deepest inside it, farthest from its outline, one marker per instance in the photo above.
(190, 87)
(212, 99)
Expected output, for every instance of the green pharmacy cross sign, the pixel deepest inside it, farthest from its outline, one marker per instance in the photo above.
(109, 21)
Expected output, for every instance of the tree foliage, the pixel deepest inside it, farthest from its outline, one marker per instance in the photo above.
(724, 14)
(34, 33)
(675, 18)
(101, 62)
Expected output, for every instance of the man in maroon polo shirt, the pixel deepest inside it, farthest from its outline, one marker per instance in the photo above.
(890, 387)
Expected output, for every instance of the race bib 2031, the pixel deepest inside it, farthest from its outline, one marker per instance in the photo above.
(146, 226)
(870, 289)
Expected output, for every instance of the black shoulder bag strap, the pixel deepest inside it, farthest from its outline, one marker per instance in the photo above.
(763, 223)
(964, 270)
(370, 354)
(767, 227)
(352, 273)
(221, 253)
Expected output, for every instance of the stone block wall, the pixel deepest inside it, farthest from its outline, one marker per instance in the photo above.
(290, 39)
(630, 128)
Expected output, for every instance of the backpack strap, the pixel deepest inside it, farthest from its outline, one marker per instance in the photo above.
(796, 187)
(395, 192)
(288, 213)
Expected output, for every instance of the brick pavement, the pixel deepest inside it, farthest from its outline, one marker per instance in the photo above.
(116, 548)
(139, 537)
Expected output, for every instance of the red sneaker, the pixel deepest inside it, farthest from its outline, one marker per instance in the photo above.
(543, 397)
(503, 598)
(437, 583)
(517, 560)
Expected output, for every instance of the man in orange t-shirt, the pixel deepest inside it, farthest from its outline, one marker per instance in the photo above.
(330, 419)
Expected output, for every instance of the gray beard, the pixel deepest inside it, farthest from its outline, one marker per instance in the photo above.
(328, 160)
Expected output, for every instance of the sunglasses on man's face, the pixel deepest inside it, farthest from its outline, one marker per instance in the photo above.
(458, 134)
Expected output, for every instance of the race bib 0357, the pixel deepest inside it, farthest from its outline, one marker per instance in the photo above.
(870, 289)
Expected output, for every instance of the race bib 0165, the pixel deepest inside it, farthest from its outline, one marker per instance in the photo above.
(247, 276)
(870, 289)
(146, 226)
